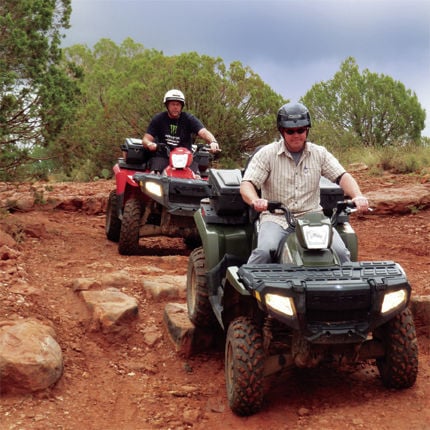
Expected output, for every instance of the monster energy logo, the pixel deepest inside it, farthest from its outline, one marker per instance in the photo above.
(173, 129)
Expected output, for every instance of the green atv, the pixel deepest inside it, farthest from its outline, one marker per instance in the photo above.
(305, 308)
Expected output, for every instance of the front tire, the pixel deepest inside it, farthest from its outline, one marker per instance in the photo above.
(244, 367)
(399, 367)
(113, 223)
(129, 235)
(199, 308)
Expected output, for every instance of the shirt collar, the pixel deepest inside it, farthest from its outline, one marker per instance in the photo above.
(283, 150)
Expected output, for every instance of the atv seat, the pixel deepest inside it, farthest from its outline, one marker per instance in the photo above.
(132, 166)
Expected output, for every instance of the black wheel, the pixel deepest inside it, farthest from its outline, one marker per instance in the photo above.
(129, 235)
(198, 305)
(244, 366)
(399, 367)
(113, 223)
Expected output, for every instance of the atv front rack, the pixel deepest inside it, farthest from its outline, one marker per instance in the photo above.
(179, 196)
(328, 301)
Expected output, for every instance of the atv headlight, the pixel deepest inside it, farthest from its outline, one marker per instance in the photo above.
(392, 300)
(154, 188)
(280, 304)
(179, 161)
(316, 237)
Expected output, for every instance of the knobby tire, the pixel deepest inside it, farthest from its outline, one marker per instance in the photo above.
(244, 366)
(129, 236)
(113, 223)
(399, 367)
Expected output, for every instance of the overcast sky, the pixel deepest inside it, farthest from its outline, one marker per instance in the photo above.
(290, 44)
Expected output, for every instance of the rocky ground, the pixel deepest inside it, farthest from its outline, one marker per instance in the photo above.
(136, 380)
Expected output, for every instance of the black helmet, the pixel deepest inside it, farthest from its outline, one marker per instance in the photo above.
(293, 115)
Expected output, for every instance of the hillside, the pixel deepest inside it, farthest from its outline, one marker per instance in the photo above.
(137, 381)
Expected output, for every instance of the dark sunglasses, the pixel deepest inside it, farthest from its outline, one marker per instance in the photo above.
(291, 131)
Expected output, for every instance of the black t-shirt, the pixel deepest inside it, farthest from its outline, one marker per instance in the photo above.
(174, 131)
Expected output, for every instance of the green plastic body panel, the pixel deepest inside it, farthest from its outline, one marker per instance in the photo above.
(221, 239)
(233, 278)
(350, 239)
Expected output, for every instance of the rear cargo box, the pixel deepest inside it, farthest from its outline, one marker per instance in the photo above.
(330, 194)
(135, 153)
(225, 194)
(202, 158)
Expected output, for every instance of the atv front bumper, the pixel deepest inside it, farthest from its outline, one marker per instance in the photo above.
(179, 196)
(338, 304)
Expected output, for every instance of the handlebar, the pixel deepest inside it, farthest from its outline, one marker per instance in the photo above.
(273, 206)
(343, 207)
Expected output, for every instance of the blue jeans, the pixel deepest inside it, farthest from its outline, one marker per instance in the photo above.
(270, 236)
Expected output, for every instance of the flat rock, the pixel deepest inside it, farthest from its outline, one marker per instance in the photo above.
(111, 309)
(420, 307)
(165, 287)
(393, 200)
(187, 339)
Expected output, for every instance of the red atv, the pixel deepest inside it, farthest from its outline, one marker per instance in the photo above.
(146, 204)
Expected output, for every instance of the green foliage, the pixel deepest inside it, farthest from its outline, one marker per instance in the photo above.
(374, 109)
(106, 173)
(410, 159)
(36, 95)
(84, 171)
(123, 87)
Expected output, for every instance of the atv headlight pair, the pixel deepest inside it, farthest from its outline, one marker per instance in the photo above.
(281, 304)
(392, 300)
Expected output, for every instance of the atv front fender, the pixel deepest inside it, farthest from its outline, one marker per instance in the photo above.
(221, 239)
(124, 177)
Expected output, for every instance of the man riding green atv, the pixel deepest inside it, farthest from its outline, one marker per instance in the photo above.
(298, 297)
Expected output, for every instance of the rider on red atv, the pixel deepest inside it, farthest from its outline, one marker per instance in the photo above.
(174, 128)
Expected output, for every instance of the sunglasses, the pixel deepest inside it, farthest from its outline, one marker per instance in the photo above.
(291, 131)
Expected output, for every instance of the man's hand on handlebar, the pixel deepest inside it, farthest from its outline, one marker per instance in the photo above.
(259, 205)
(214, 147)
(361, 203)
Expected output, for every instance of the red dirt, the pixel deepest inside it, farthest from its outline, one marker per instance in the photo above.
(121, 383)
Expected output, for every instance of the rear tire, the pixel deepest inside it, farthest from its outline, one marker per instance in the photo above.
(244, 367)
(113, 223)
(199, 308)
(399, 367)
(129, 235)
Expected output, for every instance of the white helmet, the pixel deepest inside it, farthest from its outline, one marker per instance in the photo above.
(174, 95)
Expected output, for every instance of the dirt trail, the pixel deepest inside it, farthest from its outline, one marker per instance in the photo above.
(115, 383)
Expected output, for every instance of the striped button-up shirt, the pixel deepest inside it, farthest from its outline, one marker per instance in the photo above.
(273, 171)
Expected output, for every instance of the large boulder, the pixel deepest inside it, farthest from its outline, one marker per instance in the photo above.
(30, 357)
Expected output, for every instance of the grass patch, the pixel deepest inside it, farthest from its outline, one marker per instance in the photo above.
(409, 159)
